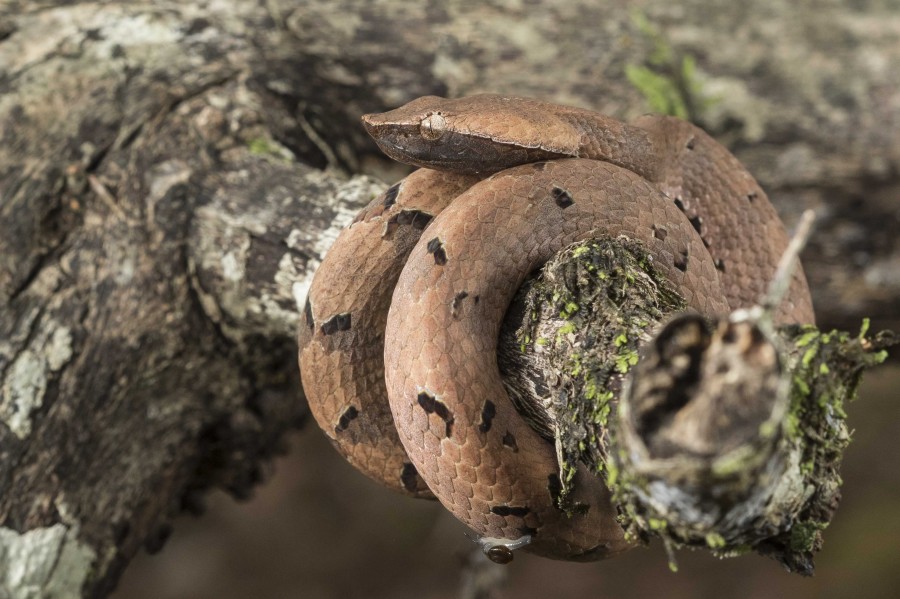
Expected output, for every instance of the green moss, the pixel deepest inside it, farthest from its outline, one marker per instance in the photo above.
(580, 251)
(568, 310)
(864, 328)
(668, 81)
(715, 541)
(566, 328)
(804, 535)
(261, 146)
(656, 524)
(625, 360)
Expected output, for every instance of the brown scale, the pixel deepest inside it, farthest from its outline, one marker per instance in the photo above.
(341, 346)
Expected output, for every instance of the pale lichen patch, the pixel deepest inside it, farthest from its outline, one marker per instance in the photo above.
(23, 392)
(45, 562)
(28, 376)
(59, 350)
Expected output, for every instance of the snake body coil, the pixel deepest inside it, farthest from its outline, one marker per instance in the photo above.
(428, 329)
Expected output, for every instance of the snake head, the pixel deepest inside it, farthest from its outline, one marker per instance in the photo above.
(455, 135)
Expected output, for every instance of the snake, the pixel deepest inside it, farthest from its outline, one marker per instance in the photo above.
(398, 335)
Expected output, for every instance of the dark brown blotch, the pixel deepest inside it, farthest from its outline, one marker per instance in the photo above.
(338, 322)
(539, 166)
(433, 405)
(390, 196)
(488, 411)
(509, 441)
(562, 197)
(681, 260)
(417, 218)
(307, 313)
(510, 510)
(528, 531)
(752, 196)
(679, 204)
(690, 143)
(346, 418)
(660, 233)
(697, 223)
(409, 477)
(720, 265)
(457, 302)
(436, 248)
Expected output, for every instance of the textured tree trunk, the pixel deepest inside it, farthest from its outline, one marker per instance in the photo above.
(172, 172)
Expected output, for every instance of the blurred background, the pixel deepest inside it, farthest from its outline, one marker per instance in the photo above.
(319, 530)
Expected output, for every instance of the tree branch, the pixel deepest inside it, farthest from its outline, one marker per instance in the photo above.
(162, 202)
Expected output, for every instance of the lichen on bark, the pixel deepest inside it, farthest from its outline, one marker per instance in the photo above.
(578, 327)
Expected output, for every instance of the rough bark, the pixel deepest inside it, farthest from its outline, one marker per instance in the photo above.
(163, 203)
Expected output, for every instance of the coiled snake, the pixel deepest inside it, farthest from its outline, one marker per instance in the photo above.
(407, 305)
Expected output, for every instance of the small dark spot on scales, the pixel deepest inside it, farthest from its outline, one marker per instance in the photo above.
(436, 248)
(338, 322)
(409, 477)
(346, 418)
(681, 261)
(720, 265)
(417, 218)
(697, 223)
(660, 233)
(752, 195)
(307, 312)
(488, 411)
(690, 144)
(562, 197)
(457, 301)
(390, 196)
(433, 405)
(509, 441)
(509, 510)
(679, 204)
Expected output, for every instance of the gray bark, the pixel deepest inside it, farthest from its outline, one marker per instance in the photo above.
(172, 172)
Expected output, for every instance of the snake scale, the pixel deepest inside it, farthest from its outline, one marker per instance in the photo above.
(399, 332)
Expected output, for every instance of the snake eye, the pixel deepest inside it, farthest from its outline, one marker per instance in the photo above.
(500, 554)
(433, 126)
